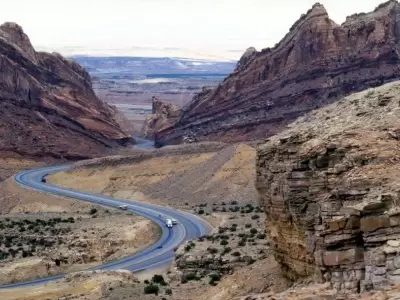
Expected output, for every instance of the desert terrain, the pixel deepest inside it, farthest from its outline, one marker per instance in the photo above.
(130, 83)
(216, 181)
(44, 235)
(293, 159)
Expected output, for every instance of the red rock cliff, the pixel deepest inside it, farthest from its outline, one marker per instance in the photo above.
(163, 115)
(317, 62)
(47, 105)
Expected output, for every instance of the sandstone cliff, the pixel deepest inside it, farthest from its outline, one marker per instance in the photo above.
(164, 115)
(48, 107)
(317, 62)
(330, 187)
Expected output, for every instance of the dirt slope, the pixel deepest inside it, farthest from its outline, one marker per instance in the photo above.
(171, 178)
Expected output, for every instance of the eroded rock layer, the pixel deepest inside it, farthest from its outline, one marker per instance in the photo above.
(47, 104)
(316, 63)
(330, 187)
(163, 115)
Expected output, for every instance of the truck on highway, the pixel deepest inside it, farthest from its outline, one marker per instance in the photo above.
(168, 223)
(123, 207)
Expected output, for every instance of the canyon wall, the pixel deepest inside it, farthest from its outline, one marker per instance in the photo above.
(330, 187)
(48, 107)
(316, 63)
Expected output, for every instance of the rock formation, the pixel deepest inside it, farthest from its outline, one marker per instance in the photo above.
(48, 107)
(163, 115)
(330, 187)
(316, 63)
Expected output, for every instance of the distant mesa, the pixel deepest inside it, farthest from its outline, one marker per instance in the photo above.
(316, 63)
(49, 109)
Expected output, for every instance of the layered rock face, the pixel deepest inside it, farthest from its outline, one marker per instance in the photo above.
(164, 115)
(48, 107)
(316, 63)
(330, 187)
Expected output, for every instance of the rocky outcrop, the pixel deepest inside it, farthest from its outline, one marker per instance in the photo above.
(48, 107)
(330, 187)
(316, 63)
(163, 115)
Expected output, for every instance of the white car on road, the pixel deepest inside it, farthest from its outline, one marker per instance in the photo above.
(168, 223)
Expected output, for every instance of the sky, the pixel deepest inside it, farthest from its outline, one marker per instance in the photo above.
(217, 27)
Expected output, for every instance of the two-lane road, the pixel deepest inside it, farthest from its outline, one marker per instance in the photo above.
(161, 253)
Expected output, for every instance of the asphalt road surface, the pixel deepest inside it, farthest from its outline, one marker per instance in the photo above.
(160, 254)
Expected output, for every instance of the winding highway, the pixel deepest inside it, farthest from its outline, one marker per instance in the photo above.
(159, 254)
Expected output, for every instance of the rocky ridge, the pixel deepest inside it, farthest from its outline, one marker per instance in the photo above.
(316, 63)
(48, 106)
(330, 188)
(163, 115)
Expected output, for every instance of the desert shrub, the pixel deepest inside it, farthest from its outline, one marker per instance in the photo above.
(250, 261)
(226, 250)
(215, 277)
(253, 231)
(201, 211)
(225, 237)
(168, 292)
(146, 281)
(234, 202)
(151, 289)
(212, 250)
(258, 210)
(212, 282)
(93, 210)
(241, 235)
(224, 243)
(261, 236)
(4, 255)
(158, 279)
(236, 253)
(235, 209)
(188, 277)
(248, 225)
(223, 209)
(255, 217)
(26, 253)
(242, 242)
(222, 229)
(209, 237)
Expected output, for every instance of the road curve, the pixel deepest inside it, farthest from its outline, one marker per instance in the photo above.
(161, 253)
